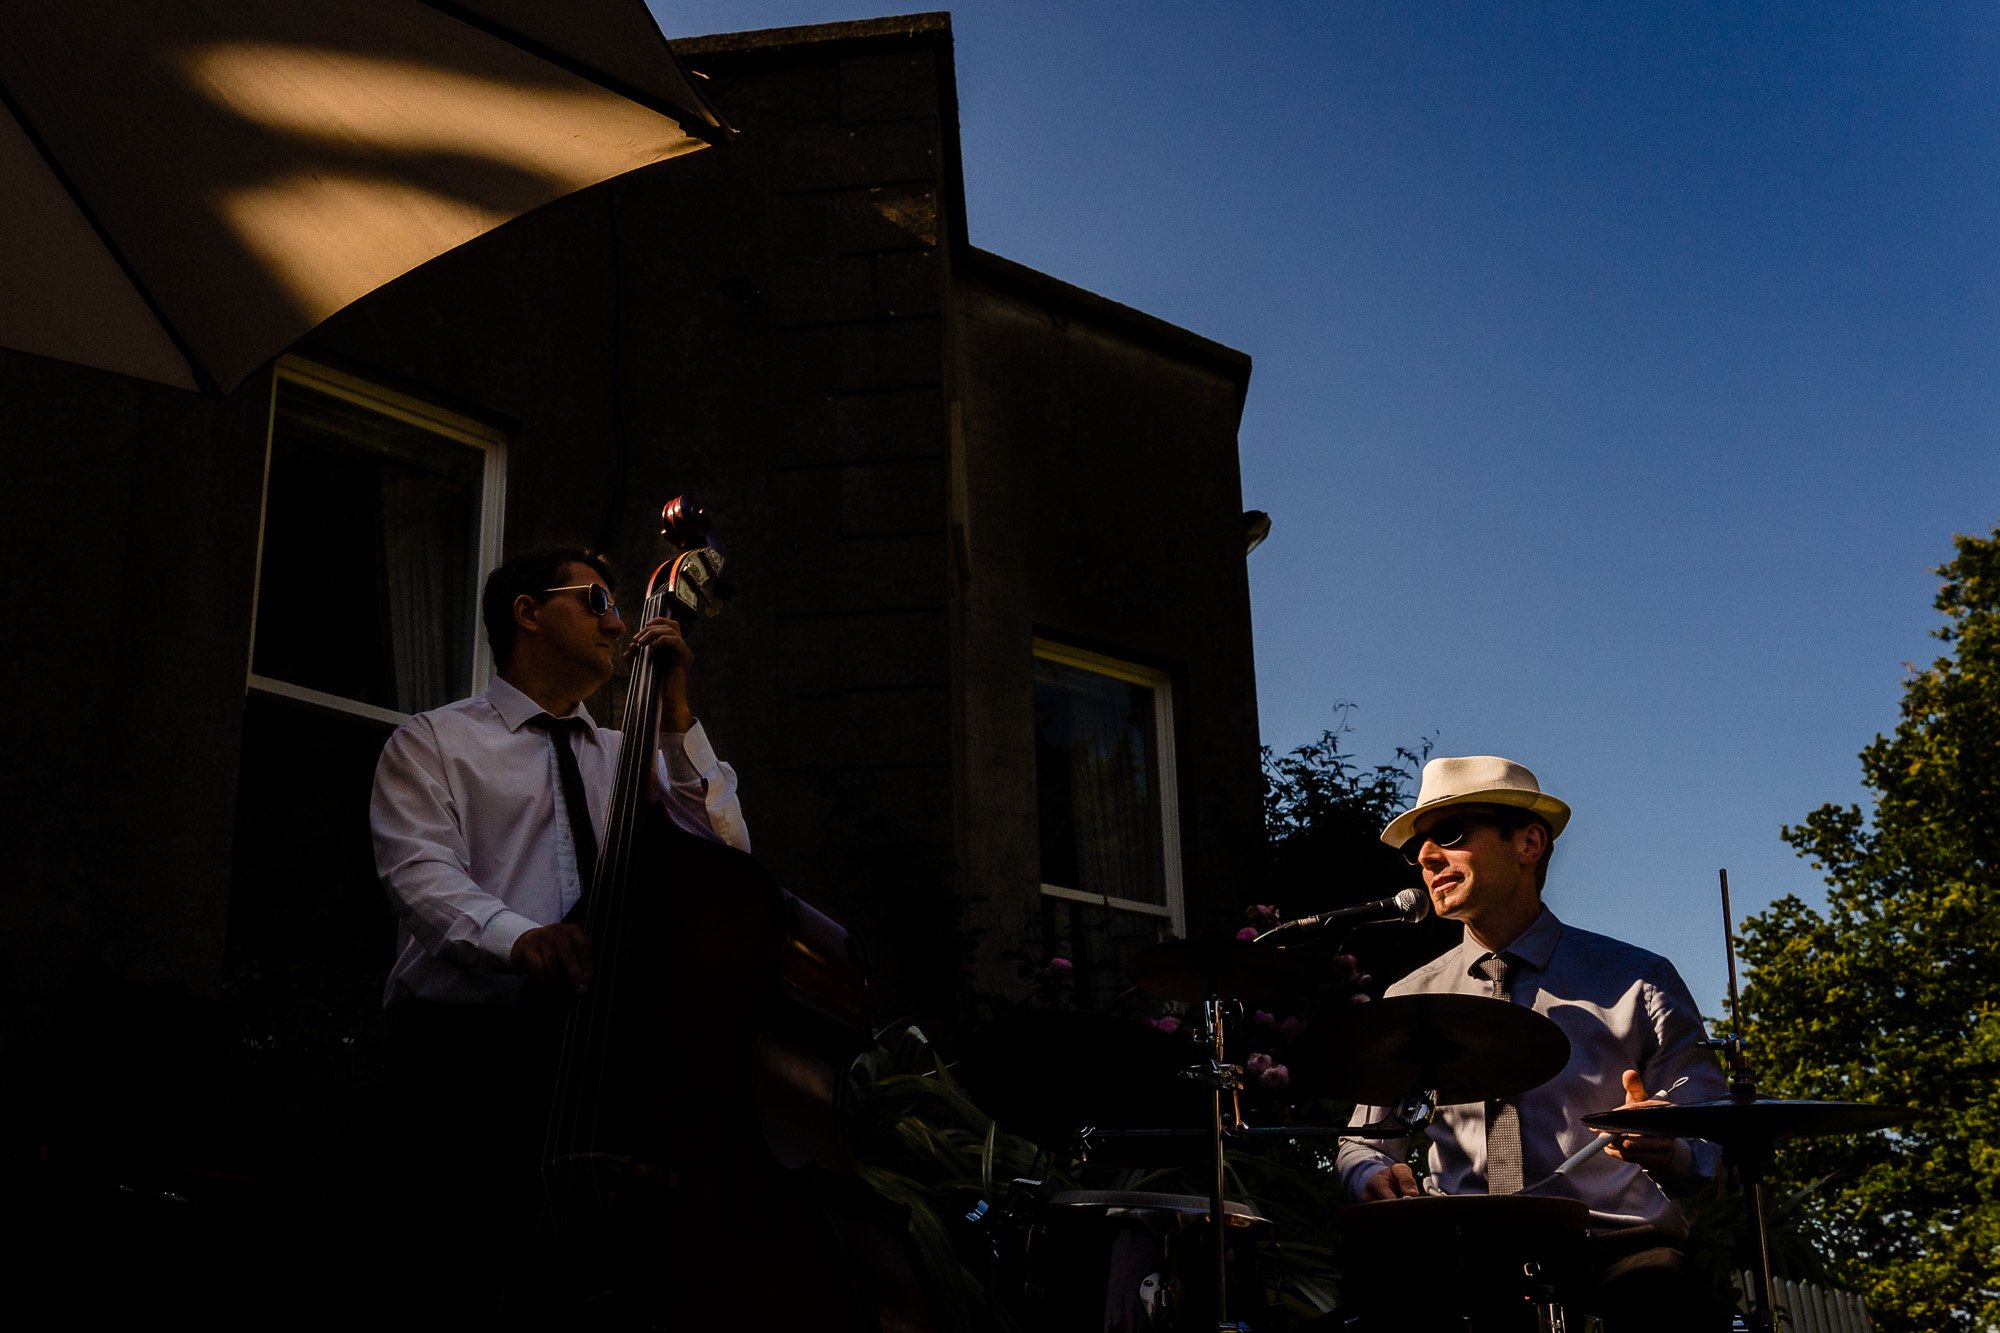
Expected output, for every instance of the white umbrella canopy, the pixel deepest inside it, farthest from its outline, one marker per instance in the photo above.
(188, 186)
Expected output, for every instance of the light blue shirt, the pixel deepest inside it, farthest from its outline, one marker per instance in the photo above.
(472, 839)
(1621, 1008)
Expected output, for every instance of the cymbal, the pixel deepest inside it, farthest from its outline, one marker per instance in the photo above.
(1468, 1047)
(1748, 1120)
(1044, 1074)
(1192, 970)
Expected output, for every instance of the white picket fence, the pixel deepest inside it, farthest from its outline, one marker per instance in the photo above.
(1804, 1308)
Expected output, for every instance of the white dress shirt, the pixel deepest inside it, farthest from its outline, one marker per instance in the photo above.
(1621, 1008)
(472, 839)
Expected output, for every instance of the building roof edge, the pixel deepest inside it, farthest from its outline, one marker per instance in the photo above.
(1008, 273)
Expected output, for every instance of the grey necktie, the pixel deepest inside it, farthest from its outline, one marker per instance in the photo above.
(1503, 1118)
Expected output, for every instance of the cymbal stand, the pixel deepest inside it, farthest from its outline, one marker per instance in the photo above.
(1750, 1156)
(1220, 1077)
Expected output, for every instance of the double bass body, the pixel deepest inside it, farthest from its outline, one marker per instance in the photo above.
(694, 1165)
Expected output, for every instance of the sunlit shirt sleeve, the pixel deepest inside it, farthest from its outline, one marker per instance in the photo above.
(472, 839)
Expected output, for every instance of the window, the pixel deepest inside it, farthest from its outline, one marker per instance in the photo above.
(1105, 807)
(381, 513)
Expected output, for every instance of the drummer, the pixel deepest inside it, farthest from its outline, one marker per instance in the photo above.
(1482, 831)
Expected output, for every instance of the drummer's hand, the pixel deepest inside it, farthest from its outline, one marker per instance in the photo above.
(1397, 1182)
(1651, 1152)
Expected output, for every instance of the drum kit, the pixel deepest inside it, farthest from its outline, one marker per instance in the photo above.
(1119, 1089)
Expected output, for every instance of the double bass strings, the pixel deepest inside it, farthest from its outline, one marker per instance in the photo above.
(573, 1130)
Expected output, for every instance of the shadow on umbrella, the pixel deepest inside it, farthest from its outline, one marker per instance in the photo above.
(196, 187)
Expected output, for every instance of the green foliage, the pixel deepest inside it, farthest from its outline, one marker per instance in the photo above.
(1323, 819)
(921, 1142)
(1319, 801)
(1892, 995)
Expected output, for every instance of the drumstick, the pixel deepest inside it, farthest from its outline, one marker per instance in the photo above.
(1603, 1140)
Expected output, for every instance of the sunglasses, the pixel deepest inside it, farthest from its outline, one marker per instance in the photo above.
(1447, 832)
(595, 596)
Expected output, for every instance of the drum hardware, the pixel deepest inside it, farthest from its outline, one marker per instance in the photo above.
(1102, 1083)
(1215, 972)
(1006, 1231)
(1219, 1077)
(1478, 1261)
(1129, 1262)
(1413, 1115)
(1748, 1127)
(1542, 1292)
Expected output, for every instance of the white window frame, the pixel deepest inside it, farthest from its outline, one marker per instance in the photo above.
(425, 416)
(1174, 911)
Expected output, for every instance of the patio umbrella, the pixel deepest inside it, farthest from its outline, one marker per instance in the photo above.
(188, 186)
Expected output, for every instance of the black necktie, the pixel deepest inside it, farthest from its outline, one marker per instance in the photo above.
(581, 834)
(1503, 1118)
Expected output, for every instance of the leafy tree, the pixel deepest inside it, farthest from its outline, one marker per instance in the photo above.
(1323, 818)
(1892, 995)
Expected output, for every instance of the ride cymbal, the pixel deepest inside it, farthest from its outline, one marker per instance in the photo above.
(1467, 1047)
(1744, 1120)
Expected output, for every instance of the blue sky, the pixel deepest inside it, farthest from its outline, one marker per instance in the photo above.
(1622, 371)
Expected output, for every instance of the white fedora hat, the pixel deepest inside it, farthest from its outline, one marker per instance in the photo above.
(1481, 779)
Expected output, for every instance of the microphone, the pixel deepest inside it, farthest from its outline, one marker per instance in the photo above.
(1409, 906)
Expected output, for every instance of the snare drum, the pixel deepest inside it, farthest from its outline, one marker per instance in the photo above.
(1489, 1263)
(1116, 1262)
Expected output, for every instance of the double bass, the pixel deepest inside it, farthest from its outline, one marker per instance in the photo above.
(694, 1170)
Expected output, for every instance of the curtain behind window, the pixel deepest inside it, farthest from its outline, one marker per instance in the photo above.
(1097, 784)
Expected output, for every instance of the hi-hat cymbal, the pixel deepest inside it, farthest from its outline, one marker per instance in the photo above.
(1468, 1047)
(1750, 1120)
(1193, 970)
(1044, 1074)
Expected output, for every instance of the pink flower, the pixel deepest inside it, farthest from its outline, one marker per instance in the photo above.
(1247, 933)
(1290, 1027)
(1264, 1016)
(1169, 1025)
(1266, 911)
(1257, 1063)
(1276, 1078)
(1060, 966)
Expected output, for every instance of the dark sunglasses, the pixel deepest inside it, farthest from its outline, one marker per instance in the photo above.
(1447, 832)
(595, 596)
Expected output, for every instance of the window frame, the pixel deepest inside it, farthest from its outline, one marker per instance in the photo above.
(492, 445)
(1174, 911)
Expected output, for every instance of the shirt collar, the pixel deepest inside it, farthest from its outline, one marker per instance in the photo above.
(1532, 948)
(516, 708)
(1537, 944)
